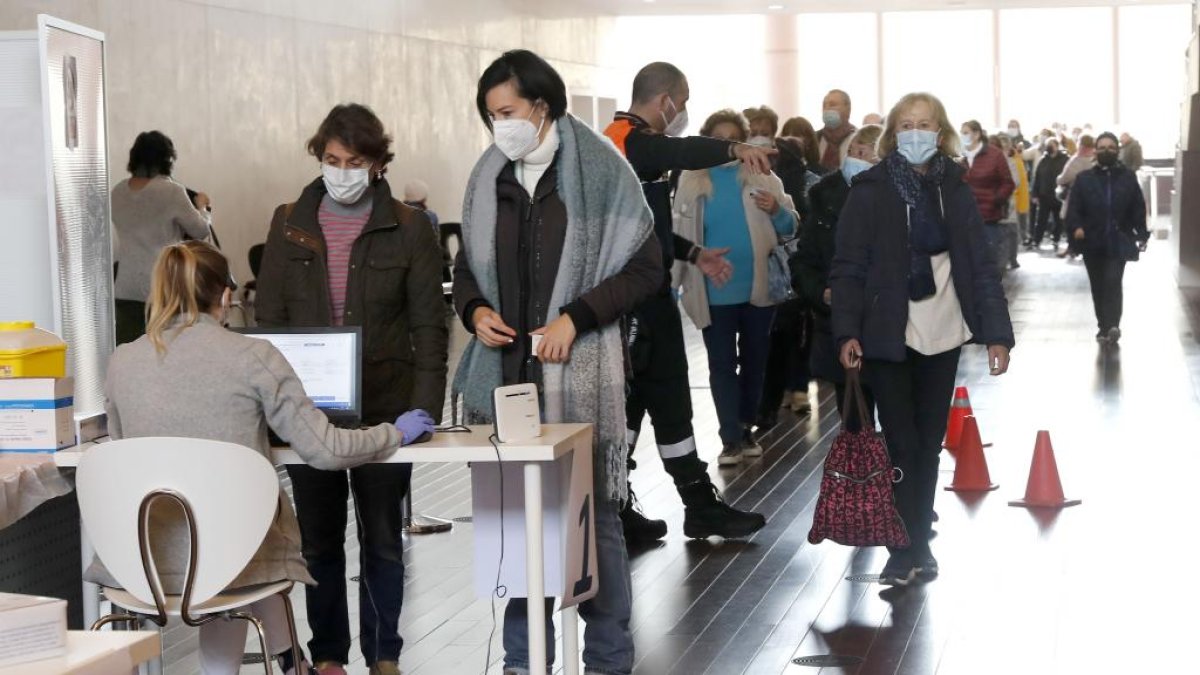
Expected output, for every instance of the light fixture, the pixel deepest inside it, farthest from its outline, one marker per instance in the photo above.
(774, 7)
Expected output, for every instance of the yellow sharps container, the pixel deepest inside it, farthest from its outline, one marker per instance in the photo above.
(28, 351)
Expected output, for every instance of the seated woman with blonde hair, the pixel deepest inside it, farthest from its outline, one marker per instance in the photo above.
(190, 377)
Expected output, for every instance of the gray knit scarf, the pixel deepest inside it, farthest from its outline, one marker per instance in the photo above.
(607, 222)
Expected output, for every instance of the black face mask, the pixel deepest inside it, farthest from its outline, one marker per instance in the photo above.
(1106, 158)
(1052, 151)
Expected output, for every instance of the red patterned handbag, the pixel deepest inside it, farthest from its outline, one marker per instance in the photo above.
(856, 505)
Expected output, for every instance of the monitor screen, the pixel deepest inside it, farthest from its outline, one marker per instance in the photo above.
(327, 361)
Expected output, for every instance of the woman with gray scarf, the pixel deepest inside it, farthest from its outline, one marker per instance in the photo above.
(557, 245)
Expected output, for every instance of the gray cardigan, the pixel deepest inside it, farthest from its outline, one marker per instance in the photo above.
(215, 384)
(146, 220)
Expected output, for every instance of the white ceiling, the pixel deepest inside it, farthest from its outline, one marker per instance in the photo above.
(674, 7)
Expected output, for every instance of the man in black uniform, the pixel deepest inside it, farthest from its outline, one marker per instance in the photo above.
(647, 135)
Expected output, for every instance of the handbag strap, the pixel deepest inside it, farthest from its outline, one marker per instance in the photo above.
(854, 394)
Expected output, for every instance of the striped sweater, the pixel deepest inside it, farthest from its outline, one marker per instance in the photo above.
(341, 225)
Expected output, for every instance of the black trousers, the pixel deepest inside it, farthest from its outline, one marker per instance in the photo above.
(131, 320)
(1048, 209)
(1106, 273)
(913, 398)
(787, 358)
(659, 385)
(321, 508)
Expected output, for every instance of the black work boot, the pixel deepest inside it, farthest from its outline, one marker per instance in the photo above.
(706, 514)
(638, 528)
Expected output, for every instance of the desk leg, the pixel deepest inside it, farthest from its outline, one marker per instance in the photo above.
(534, 563)
(91, 592)
(1153, 198)
(570, 652)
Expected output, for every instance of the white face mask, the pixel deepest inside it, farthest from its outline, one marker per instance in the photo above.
(678, 125)
(516, 138)
(761, 141)
(346, 186)
(917, 145)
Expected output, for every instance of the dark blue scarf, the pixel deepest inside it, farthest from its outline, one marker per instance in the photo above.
(927, 234)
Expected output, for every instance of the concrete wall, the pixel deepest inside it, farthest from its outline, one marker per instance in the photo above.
(240, 85)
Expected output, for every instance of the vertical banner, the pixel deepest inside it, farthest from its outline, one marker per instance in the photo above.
(72, 62)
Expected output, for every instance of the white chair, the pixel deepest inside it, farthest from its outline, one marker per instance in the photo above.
(229, 495)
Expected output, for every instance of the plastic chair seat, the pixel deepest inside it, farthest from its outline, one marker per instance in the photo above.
(222, 602)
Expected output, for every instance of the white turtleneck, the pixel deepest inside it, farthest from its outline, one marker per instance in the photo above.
(970, 154)
(531, 169)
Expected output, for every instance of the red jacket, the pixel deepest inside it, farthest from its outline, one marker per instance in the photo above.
(991, 181)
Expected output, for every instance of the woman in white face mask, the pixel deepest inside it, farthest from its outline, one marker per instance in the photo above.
(558, 244)
(347, 253)
(912, 281)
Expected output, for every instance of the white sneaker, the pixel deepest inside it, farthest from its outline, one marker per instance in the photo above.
(750, 445)
(799, 403)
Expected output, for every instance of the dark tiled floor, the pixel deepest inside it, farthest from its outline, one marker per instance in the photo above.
(1103, 587)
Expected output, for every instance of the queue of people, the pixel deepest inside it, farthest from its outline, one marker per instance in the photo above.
(798, 253)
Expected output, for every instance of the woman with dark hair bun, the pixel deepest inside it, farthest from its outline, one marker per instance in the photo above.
(347, 253)
(558, 245)
(149, 211)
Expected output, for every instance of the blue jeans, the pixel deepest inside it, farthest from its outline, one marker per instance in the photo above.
(607, 642)
(321, 508)
(738, 341)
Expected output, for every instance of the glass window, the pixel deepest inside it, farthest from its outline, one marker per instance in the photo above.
(838, 51)
(1153, 42)
(1056, 66)
(719, 77)
(946, 53)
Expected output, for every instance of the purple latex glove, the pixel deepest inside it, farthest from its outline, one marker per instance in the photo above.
(413, 425)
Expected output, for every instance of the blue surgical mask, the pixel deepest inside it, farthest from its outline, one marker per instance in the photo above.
(917, 145)
(831, 118)
(852, 167)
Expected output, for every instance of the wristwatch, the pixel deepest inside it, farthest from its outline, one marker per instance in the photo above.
(694, 254)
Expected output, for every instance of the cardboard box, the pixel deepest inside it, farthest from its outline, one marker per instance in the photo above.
(37, 414)
(31, 628)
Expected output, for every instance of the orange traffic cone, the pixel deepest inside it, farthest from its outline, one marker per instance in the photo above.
(970, 469)
(960, 408)
(1044, 488)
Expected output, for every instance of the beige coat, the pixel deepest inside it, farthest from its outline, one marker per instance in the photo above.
(219, 385)
(695, 188)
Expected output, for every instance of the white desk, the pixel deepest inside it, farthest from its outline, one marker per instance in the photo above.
(557, 440)
(102, 653)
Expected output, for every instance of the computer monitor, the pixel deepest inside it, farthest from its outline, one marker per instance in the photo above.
(328, 362)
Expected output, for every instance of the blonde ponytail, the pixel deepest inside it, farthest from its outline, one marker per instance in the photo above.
(189, 280)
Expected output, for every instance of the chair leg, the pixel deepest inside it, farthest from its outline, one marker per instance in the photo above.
(116, 618)
(291, 620)
(262, 637)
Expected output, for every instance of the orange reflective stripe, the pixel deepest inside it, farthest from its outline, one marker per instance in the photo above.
(618, 131)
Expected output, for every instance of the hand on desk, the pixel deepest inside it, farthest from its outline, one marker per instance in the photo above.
(414, 425)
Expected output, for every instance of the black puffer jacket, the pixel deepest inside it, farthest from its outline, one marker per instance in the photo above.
(871, 263)
(811, 264)
(1108, 205)
(1045, 181)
